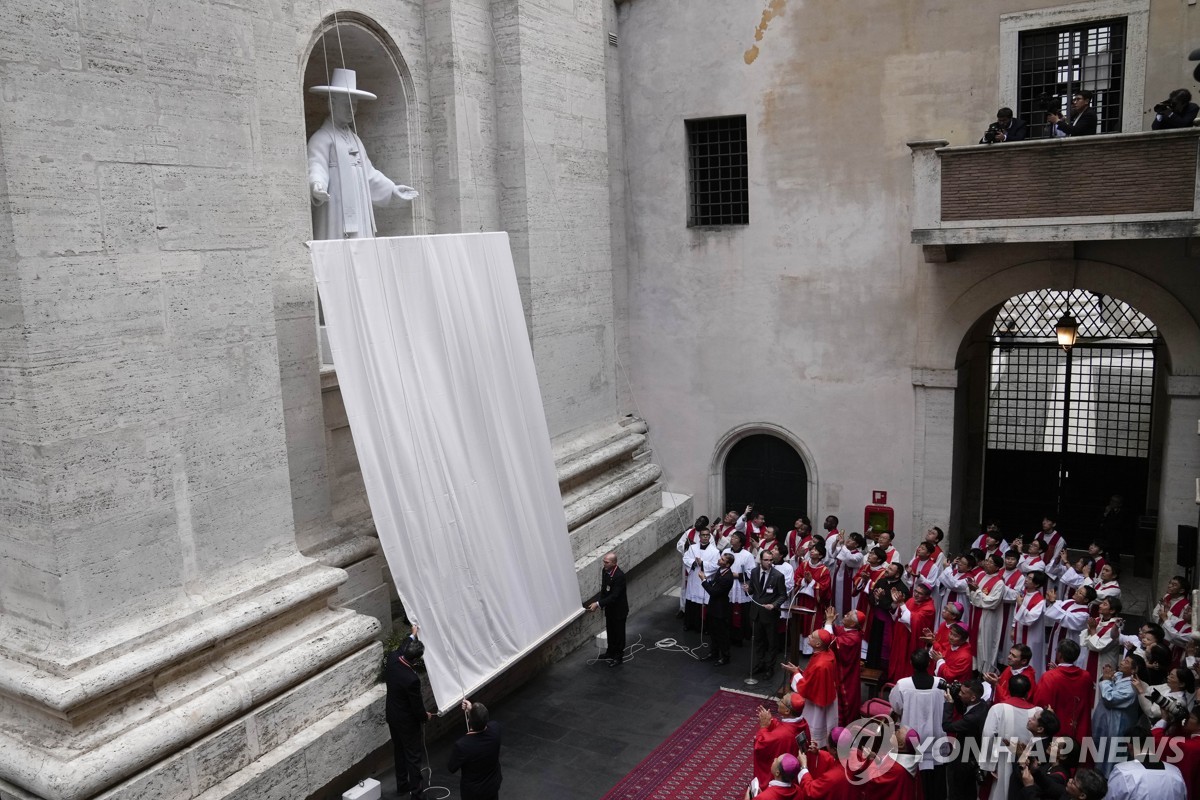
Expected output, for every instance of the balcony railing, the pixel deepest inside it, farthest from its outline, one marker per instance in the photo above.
(1121, 186)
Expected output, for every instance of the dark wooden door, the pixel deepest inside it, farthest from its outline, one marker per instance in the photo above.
(766, 471)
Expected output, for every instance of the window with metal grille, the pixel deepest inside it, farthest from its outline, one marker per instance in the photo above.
(1056, 62)
(1096, 398)
(718, 179)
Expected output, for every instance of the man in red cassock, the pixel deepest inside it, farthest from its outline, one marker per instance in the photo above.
(956, 661)
(1069, 692)
(847, 649)
(913, 616)
(819, 687)
(775, 737)
(813, 591)
(783, 781)
(1018, 664)
(885, 778)
(822, 776)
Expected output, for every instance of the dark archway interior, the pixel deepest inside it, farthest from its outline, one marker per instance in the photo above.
(1017, 484)
(767, 472)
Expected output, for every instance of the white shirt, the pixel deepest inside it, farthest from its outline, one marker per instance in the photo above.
(1132, 781)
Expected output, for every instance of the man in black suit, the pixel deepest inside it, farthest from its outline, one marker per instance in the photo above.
(1083, 116)
(1006, 128)
(767, 592)
(406, 714)
(616, 609)
(972, 712)
(478, 755)
(720, 609)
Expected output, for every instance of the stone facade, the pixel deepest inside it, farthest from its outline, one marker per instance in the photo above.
(191, 595)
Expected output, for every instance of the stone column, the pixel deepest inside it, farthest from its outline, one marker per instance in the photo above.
(933, 456)
(1180, 469)
(159, 628)
(552, 110)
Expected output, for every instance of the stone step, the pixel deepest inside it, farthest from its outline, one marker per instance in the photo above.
(608, 490)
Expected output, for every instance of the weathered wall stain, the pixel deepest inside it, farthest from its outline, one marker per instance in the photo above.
(775, 9)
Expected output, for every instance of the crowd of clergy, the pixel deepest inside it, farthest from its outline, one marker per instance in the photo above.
(1012, 656)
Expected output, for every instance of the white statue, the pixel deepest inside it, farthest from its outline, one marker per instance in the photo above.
(343, 184)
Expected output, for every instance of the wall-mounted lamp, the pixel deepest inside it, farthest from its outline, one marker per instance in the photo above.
(1067, 330)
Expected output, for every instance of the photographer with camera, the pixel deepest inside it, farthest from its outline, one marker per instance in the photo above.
(1006, 128)
(1083, 117)
(963, 715)
(1177, 111)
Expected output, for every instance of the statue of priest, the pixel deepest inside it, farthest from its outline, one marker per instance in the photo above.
(343, 184)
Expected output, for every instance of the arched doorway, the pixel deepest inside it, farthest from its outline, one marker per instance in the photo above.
(766, 471)
(1063, 431)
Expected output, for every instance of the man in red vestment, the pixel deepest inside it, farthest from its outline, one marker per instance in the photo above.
(819, 687)
(1018, 664)
(956, 662)
(1069, 692)
(783, 780)
(847, 649)
(813, 591)
(822, 776)
(775, 737)
(913, 616)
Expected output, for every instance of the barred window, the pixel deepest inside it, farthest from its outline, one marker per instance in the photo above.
(719, 182)
(1056, 62)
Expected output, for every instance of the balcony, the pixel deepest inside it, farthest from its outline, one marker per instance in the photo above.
(1120, 186)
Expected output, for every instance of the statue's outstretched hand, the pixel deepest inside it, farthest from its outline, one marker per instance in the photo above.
(320, 195)
(406, 192)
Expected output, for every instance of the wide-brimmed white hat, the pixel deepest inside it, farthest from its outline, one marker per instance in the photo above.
(344, 81)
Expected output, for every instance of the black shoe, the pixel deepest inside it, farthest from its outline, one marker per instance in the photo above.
(720, 662)
(615, 662)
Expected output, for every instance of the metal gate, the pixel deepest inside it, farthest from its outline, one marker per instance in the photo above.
(1067, 429)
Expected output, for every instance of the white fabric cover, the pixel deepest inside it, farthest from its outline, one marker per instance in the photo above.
(436, 372)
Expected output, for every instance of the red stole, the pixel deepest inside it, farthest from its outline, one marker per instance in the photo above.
(847, 649)
(848, 581)
(1058, 633)
(820, 681)
(1011, 582)
(793, 539)
(812, 608)
(923, 571)
(1093, 662)
(988, 583)
(1026, 601)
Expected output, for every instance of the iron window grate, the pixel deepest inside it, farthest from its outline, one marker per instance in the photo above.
(1034, 314)
(718, 177)
(1056, 62)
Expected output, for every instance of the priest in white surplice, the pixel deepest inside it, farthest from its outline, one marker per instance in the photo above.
(702, 556)
(342, 183)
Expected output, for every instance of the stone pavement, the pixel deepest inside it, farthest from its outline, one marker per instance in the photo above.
(578, 728)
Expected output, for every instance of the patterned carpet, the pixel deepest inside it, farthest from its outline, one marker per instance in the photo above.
(707, 758)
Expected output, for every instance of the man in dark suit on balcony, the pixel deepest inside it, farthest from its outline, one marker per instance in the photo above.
(1006, 128)
(1083, 116)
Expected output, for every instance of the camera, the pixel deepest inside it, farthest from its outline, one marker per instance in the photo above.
(993, 132)
(950, 686)
(1164, 107)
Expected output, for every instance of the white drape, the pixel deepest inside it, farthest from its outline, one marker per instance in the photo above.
(436, 372)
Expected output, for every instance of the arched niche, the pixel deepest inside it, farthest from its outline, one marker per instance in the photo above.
(734, 437)
(390, 127)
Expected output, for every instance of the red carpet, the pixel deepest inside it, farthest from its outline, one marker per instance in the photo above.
(707, 758)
